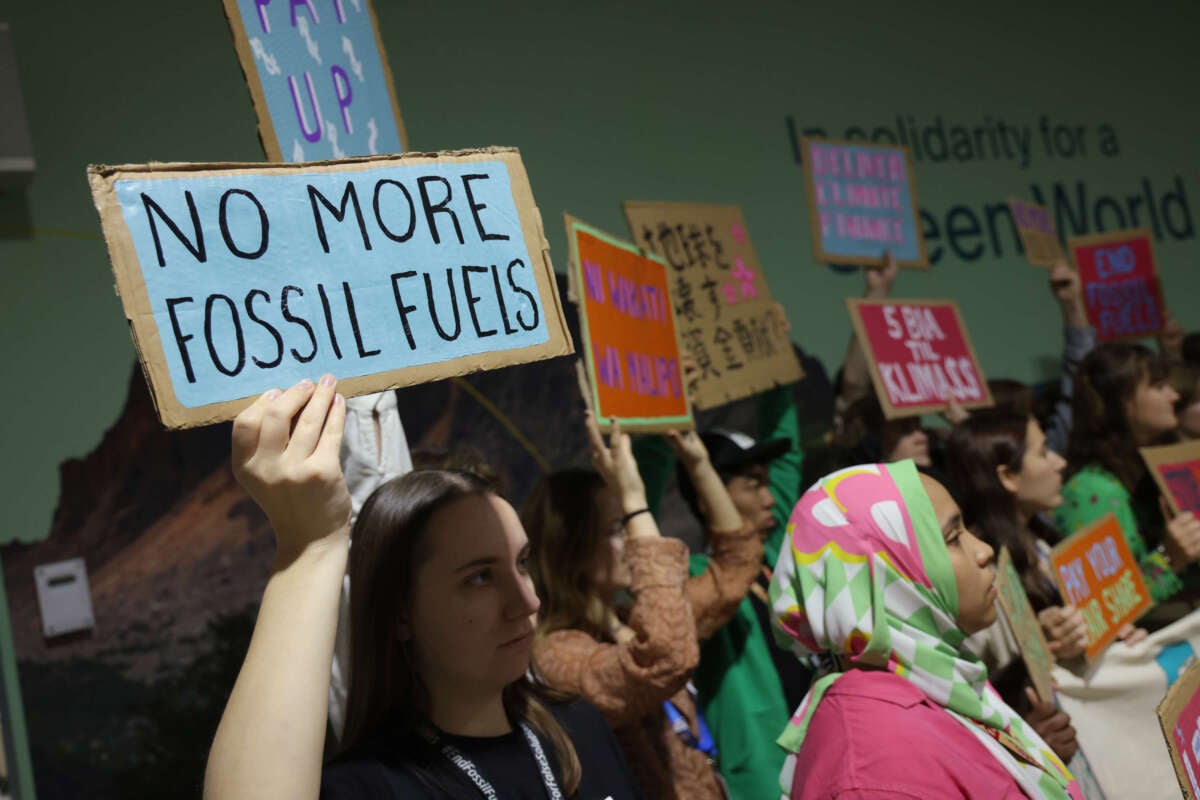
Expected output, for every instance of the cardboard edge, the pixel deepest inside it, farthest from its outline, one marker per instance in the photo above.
(389, 80)
(1168, 712)
(1024, 237)
(1043, 686)
(1165, 455)
(258, 98)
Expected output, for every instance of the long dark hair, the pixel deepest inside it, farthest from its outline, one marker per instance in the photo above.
(389, 547)
(986, 441)
(560, 516)
(1101, 432)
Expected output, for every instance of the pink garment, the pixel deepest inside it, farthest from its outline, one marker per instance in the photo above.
(876, 735)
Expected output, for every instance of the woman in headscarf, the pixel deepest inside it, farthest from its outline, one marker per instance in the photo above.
(882, 577)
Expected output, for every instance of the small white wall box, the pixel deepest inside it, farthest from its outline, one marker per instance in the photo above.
(64, 597)
(16, 147)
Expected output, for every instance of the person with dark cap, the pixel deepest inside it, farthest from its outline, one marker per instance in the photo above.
(747, 685)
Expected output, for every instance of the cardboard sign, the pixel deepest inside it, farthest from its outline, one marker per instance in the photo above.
(1179, 716)
(919, 354)
(1098, 575)
(387, 272)
(318, 77)
(862, 202)
(1120, 283)
(1039, 237)
(1176, 468)
(726, 314)
(1025, 626)
(630, 341)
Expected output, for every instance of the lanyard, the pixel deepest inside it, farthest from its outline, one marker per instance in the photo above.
(679, 723)
(468, 768)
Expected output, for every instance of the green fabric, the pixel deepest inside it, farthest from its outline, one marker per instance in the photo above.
(743, 703)
(1094, 492)
(779, 419)
(868, 577)
(736, 682)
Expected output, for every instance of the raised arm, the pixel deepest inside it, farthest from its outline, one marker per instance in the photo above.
(270, 740)
(856, 378)
(735, 547)
(1079, 338)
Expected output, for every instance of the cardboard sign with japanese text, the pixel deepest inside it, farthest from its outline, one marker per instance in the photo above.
(1176, 469)
(919, 354)
(862, 202)
(1039, 237)
(1120, 283)
(630, 342)
(727, 317)
(1179, 716)
(1098, 575)
(318, 77)
(387, 271)
(1025, 626)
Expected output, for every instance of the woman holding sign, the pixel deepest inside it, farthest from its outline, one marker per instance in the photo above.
(881, 573)
(595, 542)
(1123, 402)
(442, 618)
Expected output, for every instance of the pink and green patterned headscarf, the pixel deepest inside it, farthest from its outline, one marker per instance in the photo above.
(866, 576)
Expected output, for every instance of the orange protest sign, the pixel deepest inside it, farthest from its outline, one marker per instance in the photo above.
(1098, 575)
(631, 343)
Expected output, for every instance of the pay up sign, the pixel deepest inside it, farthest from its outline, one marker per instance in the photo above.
(1176, 469)
(862, 201)
(384, 271)
(1120, 283)
(919, 354)
(318, 77)
(727, 317)
(1097, 574)
(631, 344)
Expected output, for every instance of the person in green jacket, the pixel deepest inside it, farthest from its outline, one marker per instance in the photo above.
(746, 685)
(1123, 401)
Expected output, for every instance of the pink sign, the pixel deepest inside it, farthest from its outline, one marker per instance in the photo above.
(1179, 716)
(1120, 283)
(920, 355)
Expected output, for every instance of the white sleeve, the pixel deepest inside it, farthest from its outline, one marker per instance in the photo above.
(374, 450)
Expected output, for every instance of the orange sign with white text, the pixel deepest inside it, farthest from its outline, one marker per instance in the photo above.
(1098, 575)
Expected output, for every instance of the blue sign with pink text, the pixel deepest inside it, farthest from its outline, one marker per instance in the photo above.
(318, 77)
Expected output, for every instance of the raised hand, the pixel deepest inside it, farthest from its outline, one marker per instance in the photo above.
(285, 454)
(1068, 291)
(1053, 725)
(879, 280)
(1066, 630)
(615, 463)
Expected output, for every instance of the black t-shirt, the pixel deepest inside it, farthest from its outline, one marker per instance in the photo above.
(377, 770)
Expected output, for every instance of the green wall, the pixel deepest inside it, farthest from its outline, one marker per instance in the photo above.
(607, 101)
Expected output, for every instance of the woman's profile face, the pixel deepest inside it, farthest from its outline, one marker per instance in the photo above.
(971, 558)
(1038, 486)
(474, 608)
(1151, 412)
